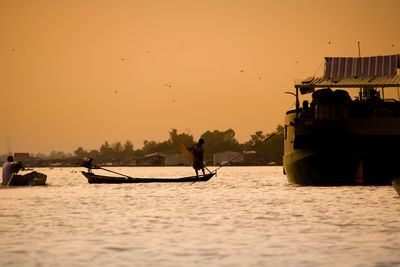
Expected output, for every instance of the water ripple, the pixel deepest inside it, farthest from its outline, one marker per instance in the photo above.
(246, 216)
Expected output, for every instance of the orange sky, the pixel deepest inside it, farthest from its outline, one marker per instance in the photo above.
(81, 72)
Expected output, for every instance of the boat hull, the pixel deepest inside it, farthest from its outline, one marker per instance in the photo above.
(33, 178)
(332, 156)
(351, 164)
(306, 167)
(100, 179)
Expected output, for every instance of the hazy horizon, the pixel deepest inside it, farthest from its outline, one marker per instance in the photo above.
(79, 73)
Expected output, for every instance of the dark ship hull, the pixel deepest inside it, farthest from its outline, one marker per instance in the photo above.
(32, 179)
(341, 141)
(354, 153)
(338, 168)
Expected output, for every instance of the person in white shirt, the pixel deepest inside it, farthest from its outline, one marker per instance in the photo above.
(7, 170)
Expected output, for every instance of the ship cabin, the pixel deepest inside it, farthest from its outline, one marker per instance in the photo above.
(345, 100)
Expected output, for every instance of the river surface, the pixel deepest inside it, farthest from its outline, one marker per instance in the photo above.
(246, 216)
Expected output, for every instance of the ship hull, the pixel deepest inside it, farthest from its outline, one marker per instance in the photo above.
(305, 167)
(312, 167)
(332, 158)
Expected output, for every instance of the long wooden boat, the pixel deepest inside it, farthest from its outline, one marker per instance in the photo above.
(32, 178)
(101, 179)
(396, 185)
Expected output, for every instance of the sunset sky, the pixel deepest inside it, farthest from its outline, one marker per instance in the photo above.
(80, 72)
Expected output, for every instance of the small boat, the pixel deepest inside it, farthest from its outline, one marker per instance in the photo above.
(32, 178)
(396, 184)
(100, 179)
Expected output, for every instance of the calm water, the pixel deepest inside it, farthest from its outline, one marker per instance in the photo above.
(246, 216)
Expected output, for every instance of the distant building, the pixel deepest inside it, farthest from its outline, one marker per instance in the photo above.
(222, 158)
(252, 158)
(65, 162)
(248, 158)
(154, 159)
(24, 158)
(21, 155)
(176, 160)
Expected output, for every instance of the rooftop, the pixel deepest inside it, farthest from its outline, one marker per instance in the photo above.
(349, 82)
(347, 72)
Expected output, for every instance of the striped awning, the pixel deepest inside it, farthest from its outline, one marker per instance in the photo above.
(342, 67)
(349, 82)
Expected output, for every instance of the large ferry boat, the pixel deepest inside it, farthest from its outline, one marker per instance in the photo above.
(347, 132)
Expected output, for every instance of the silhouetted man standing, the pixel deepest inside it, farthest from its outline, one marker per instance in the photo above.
(198, 163)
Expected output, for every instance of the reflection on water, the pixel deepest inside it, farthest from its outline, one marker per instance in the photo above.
(245, 216)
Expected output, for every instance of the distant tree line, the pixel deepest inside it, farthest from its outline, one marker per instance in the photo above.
(215, 141)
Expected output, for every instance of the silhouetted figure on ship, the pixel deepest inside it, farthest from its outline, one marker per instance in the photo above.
(373, 100)
(198, 163)
(306, 111)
